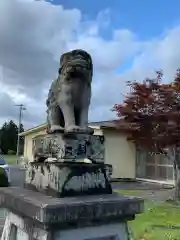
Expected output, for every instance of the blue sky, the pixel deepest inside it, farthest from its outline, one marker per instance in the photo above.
(128, 40)
(145, 18)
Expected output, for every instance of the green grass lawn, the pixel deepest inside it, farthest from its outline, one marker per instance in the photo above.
(158, 222)
(10, 159)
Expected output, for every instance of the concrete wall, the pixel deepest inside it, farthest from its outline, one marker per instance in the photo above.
(121, 154)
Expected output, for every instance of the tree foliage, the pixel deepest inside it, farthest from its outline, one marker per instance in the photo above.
(151, 112)
(9, 136)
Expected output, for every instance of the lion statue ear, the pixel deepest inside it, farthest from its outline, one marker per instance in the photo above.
(64, 58)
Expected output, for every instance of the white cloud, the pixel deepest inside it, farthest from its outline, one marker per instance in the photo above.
(108, 54)
(35, 33)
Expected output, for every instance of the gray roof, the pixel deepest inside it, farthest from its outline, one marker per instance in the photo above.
(105, 124)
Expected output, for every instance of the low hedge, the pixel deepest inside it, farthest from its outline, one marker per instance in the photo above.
(3, 178)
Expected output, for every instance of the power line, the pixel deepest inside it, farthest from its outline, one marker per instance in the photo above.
(21, 109)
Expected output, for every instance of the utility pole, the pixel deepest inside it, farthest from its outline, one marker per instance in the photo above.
(21, 109)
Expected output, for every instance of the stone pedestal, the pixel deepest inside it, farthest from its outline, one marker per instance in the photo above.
(67, 199)
(69, 147)
(68, 179)
(34, 215)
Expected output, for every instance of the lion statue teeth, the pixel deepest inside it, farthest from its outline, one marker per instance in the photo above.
(70, 94)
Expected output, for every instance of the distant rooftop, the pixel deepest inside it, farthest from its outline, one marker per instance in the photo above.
(111, 124)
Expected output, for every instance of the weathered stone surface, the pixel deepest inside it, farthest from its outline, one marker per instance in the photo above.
(70, 147)
(118, 231)
(22, 228)
(79, 211)
(19, 227)
(70, 94)
(68, 179)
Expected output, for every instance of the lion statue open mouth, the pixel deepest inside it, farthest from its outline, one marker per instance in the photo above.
(70, 94)
(76, 64)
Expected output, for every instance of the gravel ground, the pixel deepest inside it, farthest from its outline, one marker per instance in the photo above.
(17, 176)
(157, 195)
(153, 191)
(138, 185)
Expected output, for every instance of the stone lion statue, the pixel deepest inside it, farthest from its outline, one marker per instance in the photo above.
(70, 94)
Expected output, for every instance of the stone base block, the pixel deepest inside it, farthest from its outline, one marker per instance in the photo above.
(36, 216)
(68, 179)
(69, 147)
(17, 227)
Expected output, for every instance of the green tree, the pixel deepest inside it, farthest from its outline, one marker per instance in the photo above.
(9, 135)
(12, 133)
(4, 138)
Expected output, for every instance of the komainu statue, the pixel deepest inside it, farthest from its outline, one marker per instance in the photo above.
(70, 94)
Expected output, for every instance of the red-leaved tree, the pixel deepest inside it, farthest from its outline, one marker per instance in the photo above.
(151, 112)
